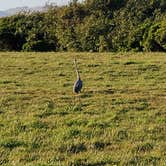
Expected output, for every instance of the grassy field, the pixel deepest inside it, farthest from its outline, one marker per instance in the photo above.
(119, 118)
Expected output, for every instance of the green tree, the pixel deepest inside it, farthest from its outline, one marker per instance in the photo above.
(156, 37)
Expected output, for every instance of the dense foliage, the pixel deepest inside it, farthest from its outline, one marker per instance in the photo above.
(93, 25)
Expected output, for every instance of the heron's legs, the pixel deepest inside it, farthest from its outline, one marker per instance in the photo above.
(77, 99)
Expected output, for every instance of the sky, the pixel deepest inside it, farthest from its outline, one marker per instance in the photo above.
(7, 4)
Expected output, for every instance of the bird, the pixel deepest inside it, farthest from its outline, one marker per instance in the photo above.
(78, 83)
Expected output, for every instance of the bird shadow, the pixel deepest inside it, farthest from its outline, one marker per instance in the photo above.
(105, 91)
(90, 93)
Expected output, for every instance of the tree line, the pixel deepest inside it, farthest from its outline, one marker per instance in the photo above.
(93, 25)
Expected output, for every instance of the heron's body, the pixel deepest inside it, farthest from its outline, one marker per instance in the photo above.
(78, 84)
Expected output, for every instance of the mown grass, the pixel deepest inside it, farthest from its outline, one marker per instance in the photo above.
(118, 119)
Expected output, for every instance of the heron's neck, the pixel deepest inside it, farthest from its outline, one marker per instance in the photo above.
(78, 74)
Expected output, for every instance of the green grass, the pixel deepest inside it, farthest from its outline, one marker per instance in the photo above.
(120, 118)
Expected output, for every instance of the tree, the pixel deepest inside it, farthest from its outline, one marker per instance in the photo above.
(156, 37)
(7, 36)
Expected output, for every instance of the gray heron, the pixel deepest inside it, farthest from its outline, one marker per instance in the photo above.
(78, 83)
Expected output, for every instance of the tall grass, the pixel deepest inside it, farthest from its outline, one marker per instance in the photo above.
(118, 119)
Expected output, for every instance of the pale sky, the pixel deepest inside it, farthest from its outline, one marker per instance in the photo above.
(7, 4)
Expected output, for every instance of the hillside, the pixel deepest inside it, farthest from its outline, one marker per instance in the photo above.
(118, 119)
(3, 14)
(13, 11)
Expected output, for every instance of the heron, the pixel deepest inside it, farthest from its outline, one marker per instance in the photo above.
(78, 83)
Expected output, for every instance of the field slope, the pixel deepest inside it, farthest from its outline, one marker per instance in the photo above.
(119, 118)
